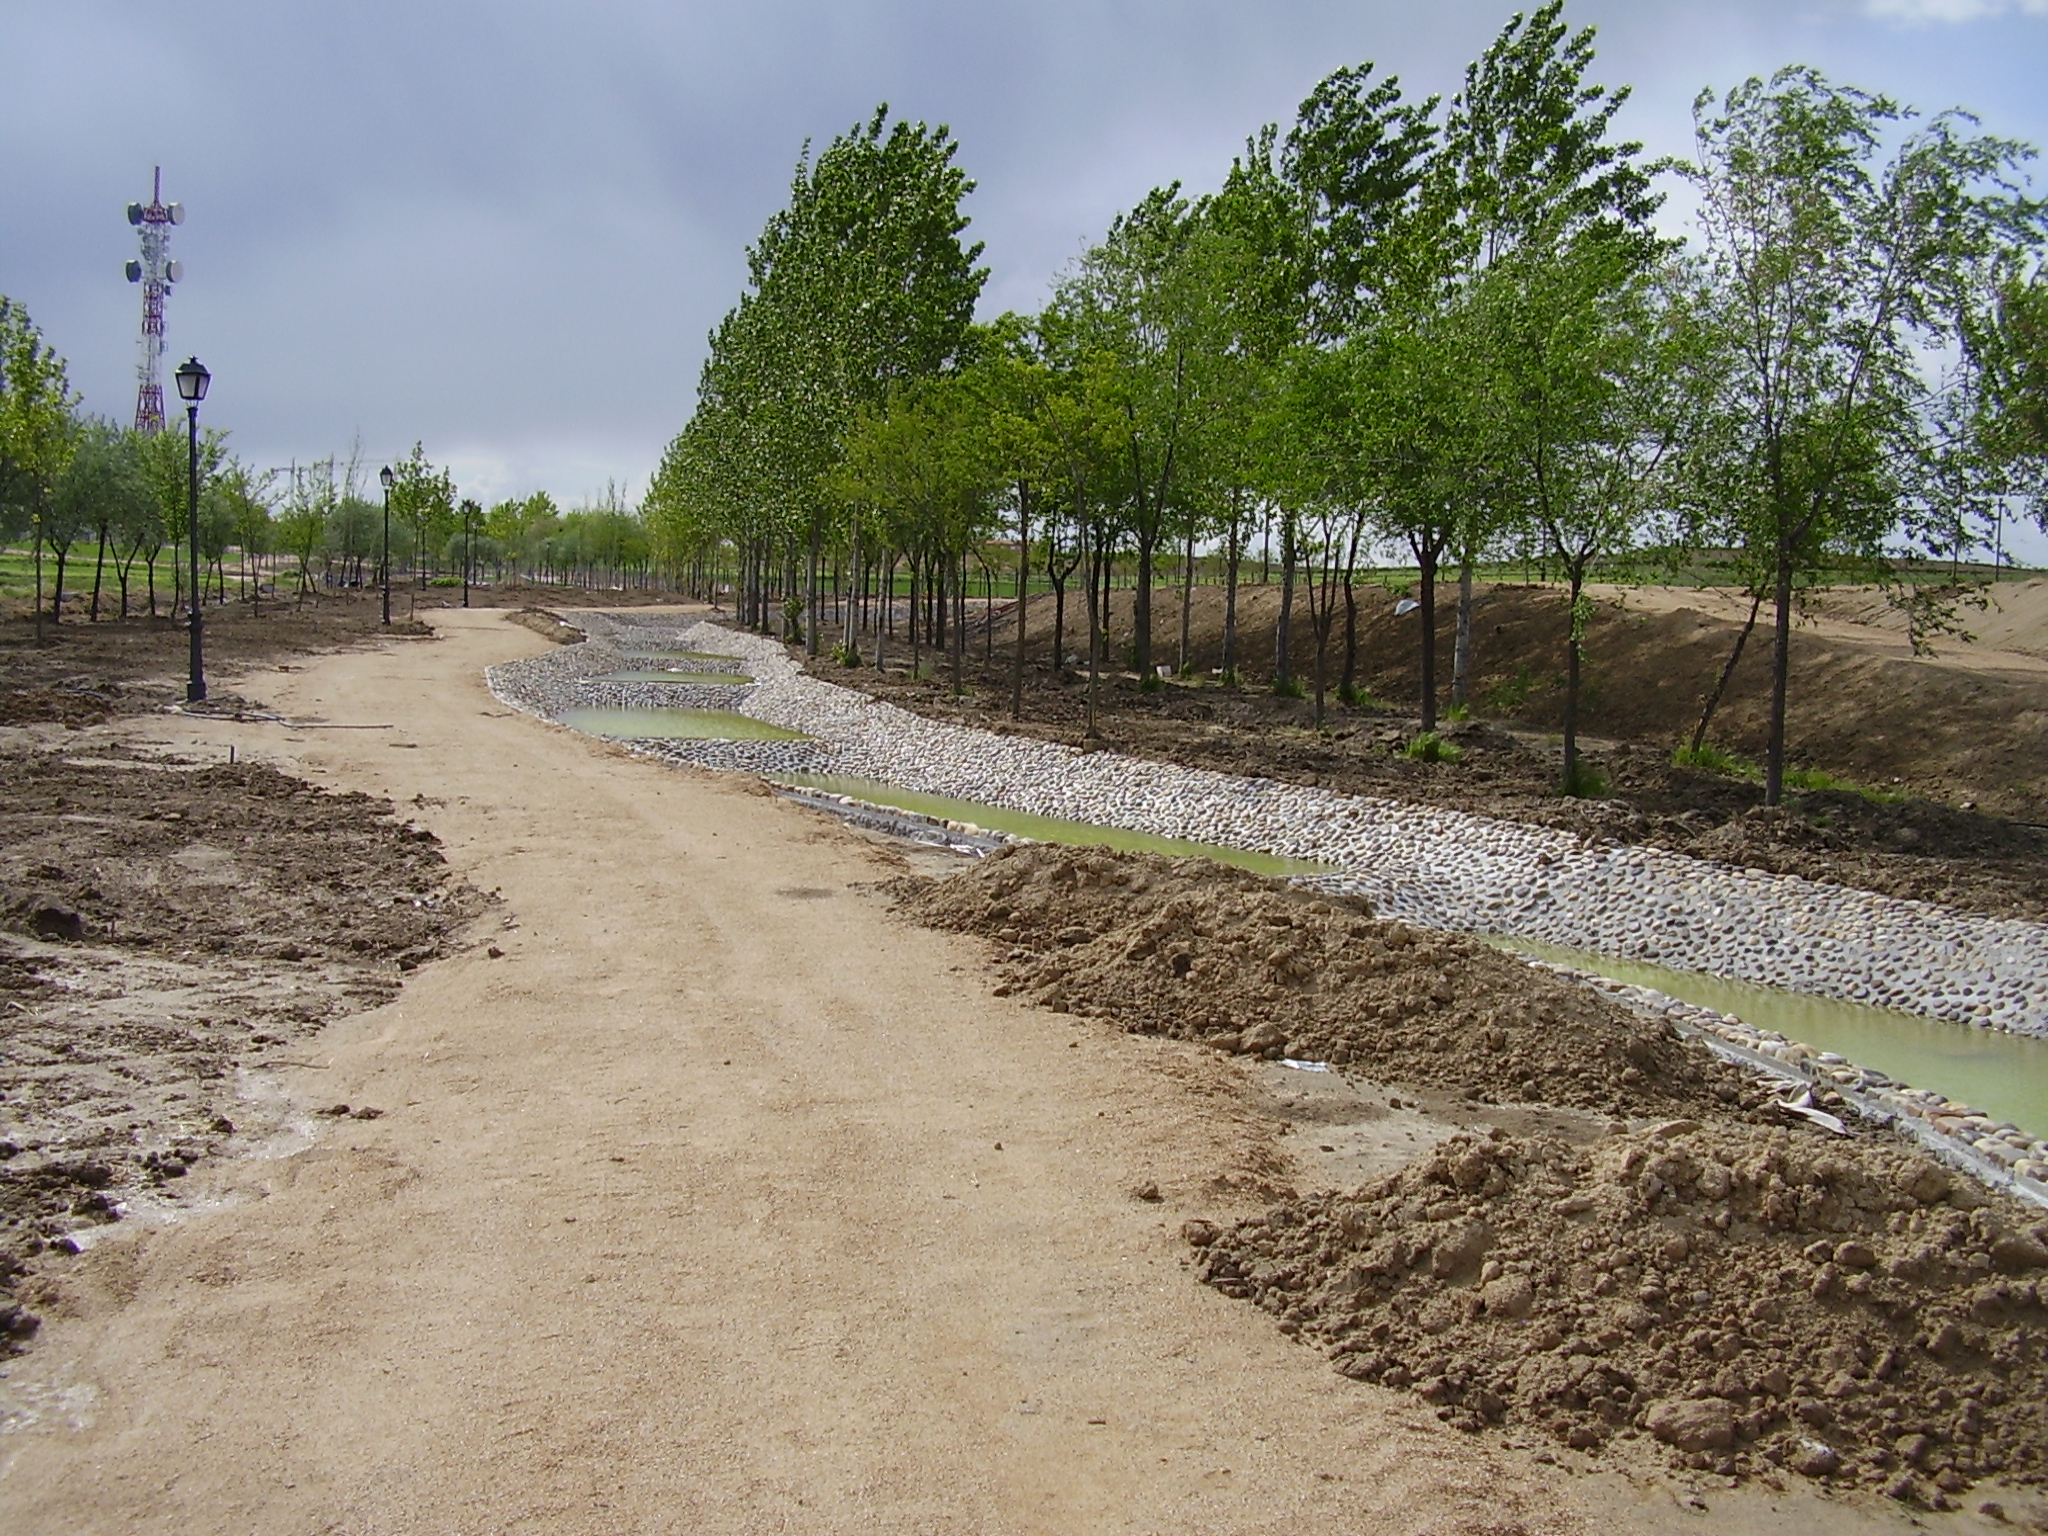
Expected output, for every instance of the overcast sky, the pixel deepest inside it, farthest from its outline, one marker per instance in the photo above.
(504, 227)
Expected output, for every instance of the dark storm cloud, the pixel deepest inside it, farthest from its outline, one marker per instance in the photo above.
(505, 228)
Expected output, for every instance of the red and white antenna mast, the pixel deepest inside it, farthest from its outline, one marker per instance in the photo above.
(156, 272)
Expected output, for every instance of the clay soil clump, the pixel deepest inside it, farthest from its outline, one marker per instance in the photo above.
(1198, 951)
(1684, 1273)
(1744, 1298)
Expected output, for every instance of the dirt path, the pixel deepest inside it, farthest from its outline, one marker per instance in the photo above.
(721, 1202)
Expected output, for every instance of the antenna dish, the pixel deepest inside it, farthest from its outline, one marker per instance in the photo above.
(174, 271)
(177, 213)
(135, 213)
(134, 271)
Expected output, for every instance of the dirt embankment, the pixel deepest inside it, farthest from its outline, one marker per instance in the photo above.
(1686, 1271)
(162, 924)
(1963, 751)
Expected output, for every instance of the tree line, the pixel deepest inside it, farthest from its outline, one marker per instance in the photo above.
(1446, 328)
(82, 491)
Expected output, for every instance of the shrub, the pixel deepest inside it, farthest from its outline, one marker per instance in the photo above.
(1151, 682)
(1458, 712)
(1429, 747)
(846, 653)
(793, 620)
(1357, 698)
(1290, 688)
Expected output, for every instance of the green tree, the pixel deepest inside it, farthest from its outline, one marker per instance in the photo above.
(37, 434)
(1838, 241)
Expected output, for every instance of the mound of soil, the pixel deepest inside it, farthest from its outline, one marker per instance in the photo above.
(1200, 951)
(161, 924)
(1689, 1275)
(1745, 1298)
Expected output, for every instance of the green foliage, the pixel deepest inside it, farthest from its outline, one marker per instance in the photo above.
(1458, 712)
(1813, 779)
(1715, 760)
(1429, 747)
(1510, 694)
(1290, 688)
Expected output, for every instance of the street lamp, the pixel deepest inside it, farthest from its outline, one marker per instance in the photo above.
(387, 477)
(192, 381)
(469, 512)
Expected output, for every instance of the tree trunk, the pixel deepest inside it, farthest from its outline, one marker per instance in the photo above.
(813, 605)
(1461, 649)
(1781, 668)
(57, 593)
(1095, 627)
(1426, 558)
(1023, 599)
(1187, 604)
(1573, 647)
(1283, 657)
(1232, 554)
(99, 567)
(1699, 732)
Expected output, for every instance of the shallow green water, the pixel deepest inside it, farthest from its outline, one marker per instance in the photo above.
(2004, 1075)
(1045, 829)
(654, 655)
(675, 725)
(655, 675)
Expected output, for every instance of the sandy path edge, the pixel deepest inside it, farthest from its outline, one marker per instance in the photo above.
(723, 1202)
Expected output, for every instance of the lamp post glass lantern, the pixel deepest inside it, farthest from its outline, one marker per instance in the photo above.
(192, 380)
(385, 476)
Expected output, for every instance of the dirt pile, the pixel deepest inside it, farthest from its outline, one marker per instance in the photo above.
(1690, 1275)
(162, 924)
(1199, 951)
(1746, 1298)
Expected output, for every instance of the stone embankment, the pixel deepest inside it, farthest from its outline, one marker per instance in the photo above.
(1439, 868)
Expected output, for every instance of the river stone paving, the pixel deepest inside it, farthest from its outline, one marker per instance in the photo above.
(1443, 868)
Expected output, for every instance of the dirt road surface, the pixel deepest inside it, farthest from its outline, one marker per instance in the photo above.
(723, 1201)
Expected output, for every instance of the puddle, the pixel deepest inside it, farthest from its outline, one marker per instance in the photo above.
(719, 679)
(2006, 1076)
(1045, 829)
(660, 724)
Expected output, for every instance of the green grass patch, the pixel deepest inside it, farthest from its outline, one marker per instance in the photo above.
(1816, 779)
(1716, 760)
(1507, 696)
(1290, 688)
(1429, 747)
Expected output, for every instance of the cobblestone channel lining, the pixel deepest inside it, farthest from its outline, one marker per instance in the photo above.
(1445, 869)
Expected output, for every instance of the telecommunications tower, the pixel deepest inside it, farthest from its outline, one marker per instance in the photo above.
(156, 272)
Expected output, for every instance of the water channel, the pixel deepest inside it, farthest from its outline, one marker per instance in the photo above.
(663, 724)
(2004, 1075)
(669, 675)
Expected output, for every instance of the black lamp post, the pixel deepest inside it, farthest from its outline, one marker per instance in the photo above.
(469, 512)
(192, 380)
(387, 477)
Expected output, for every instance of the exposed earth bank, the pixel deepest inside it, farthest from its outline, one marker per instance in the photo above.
(1691, 1268)
(1958, 742)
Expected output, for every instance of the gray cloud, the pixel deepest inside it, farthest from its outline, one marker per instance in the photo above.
(504, 228)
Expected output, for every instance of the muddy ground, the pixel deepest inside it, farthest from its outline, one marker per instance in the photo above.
(164, 927)
(1628, 1248)
(1960, 758)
